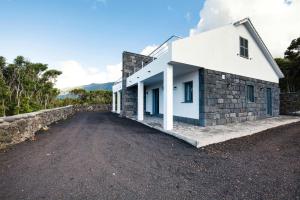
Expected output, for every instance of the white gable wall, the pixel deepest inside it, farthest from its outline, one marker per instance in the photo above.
(217, 50)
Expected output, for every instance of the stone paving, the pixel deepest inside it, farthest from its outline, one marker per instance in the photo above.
(203, 136)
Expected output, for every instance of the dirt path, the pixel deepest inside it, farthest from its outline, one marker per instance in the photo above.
(101, 156)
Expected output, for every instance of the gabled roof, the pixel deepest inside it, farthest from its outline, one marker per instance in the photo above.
(247, 22)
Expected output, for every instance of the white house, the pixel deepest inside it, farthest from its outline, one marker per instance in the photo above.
(220, 76)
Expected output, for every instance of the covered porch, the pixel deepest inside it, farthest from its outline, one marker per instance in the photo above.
(174, 93)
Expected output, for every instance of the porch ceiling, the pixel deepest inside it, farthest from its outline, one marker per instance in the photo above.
(178, 69)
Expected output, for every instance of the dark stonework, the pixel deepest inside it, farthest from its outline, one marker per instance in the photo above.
(289, 103)
(131, 63)
(226, 102)
(221, 101)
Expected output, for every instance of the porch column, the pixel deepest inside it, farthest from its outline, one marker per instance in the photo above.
(118, 102)
(168, 98)
(140, 101)
(114, 102)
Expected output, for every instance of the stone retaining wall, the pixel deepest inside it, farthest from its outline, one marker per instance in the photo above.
(92, 108)
(18, 128)
(290, 103)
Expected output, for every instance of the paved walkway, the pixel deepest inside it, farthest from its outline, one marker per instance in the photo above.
(203, 136)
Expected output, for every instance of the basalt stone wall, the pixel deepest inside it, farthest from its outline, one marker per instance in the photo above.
(290, 103)
(131, 63)
(225, 99)
(18, 128)
(93, 108)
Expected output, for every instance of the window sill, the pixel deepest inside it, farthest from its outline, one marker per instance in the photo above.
(187, 102)
(244, 57)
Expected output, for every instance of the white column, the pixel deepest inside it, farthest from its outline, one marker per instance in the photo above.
(114, 102)
(140, 101)
(119, 102)
(168, 98)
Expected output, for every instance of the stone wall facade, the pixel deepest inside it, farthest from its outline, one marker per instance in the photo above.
(290, 103)
(131, 63)
(225, 99)
(18, 128)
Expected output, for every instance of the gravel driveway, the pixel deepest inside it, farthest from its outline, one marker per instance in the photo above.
(101, 156)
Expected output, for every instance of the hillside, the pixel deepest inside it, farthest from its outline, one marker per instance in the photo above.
(91, 87)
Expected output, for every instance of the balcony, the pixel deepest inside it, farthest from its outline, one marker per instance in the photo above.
(154, 63)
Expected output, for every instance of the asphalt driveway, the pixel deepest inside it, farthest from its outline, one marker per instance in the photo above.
(101, 156)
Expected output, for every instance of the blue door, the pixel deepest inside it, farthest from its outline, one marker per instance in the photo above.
(269, 101)
(155, 101)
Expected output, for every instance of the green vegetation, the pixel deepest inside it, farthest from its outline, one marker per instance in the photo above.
(26, 86)
(290, 66)
(84, 97)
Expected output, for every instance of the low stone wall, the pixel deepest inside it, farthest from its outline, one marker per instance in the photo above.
(18, 128)
(290, 103)
(93, 108)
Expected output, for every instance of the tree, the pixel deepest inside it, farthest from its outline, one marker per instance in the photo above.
(81, 94)
(91, 97)
(26, 86)
(4, 89)
(290, 66)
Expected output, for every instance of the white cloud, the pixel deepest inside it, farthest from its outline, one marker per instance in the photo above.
(148, 49)
(277, 21)
(74, 74)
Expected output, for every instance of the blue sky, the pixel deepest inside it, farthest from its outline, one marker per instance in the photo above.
(93, 33)
(85, 38)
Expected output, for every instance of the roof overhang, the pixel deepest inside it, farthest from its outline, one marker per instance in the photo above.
(247, 22)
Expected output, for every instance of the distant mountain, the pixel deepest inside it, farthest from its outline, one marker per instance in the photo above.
(98, 86)
(65, 93)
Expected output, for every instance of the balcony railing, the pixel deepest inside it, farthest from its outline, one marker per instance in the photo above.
(118, 81)
(155, 54)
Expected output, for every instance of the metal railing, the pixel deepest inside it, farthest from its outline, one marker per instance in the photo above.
(158, 52)
(155, 54)
(118, 81)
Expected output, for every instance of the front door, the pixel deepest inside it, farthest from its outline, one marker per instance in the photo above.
(155, 100)
(269, 101)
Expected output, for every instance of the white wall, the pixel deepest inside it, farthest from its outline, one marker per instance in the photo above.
(117, 87)
(217, 50)
(189, 110)
(155, 67)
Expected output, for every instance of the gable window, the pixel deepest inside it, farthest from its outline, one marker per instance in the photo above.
(244, 47)
(250, 93)
(188, 92)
